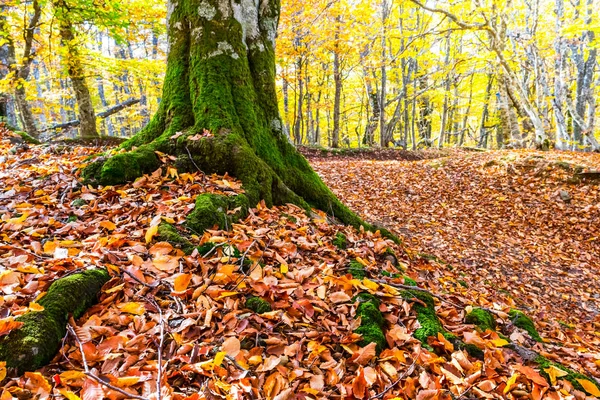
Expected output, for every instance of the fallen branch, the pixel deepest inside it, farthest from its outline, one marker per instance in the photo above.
(104, 114)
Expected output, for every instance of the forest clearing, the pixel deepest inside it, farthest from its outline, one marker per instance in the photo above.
(263, 199)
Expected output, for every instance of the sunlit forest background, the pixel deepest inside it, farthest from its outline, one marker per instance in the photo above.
(485, 73)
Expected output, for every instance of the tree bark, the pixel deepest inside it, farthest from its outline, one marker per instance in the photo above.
(220, 81)
(21, 71)
(74, 65)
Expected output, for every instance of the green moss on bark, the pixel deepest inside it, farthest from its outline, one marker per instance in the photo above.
(357, 270)
(213, 209)
(39, 339)
(424, 307)
(483, 319)
(27, 138)
(571, 376)
(169, 233)
(520, 320)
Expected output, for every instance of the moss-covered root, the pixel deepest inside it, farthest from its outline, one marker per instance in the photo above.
(520, 320)
(169, 233)
(424, 307)
(213, 209)
(572, 376)
(372, 321)
(39, 338)
(481, 318)
(27, 138)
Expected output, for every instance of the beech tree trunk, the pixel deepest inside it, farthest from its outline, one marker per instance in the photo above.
(220, 82)
(74, 65)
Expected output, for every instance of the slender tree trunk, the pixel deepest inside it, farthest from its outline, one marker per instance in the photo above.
(337, 79)
(74, 64)
(21, 70)
(299, 103)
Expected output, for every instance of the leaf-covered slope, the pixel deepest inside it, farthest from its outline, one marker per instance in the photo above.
(184, 322)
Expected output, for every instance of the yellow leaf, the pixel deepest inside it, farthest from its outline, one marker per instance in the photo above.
(554, 373)
(133, 307)
(72, 376)
(18, 220)
(35, 307)
(511, 383)
(222, 295)
(151, 232)
(369, 284)
(2, 370)
(181, 282)
(219, 358)
(28, 269)
(68, 394)
(499, 342)
(108, 225)
(589, 387)
(284, 268)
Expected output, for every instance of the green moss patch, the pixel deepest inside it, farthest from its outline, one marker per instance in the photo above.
(481, 318)
(357, 270)
(27, 138)
(520, 320)
(258, 305)
(39, 339)
(169, 233)
(372, 321)
(212, 209)
(340, 241)
(424, 307)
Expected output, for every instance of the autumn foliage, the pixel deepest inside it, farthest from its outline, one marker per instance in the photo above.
(182, 323)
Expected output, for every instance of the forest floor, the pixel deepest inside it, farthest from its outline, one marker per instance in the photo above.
(182, 322)
(512, 225)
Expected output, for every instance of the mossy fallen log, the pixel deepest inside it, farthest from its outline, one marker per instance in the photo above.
(39, 338)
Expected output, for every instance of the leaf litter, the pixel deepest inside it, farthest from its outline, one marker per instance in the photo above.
(175, 326)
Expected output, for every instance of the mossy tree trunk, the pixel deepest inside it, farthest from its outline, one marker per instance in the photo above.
(74, 66)
(220, 84)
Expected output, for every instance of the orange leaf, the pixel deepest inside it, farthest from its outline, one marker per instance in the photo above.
(231, 346)
(359, 384)
(8, 324)
(364, 355)
(181, 282)
(589, 387)
(108, 225)
(132, 307)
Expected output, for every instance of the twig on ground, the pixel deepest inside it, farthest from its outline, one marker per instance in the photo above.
(87, 372)
(393, 384)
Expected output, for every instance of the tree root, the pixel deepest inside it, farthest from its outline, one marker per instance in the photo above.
(39, 338)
